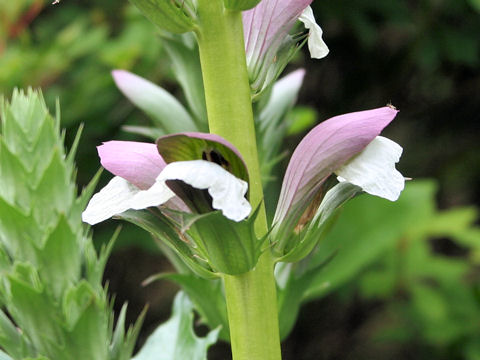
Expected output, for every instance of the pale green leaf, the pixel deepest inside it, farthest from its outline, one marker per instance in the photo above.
(176, 339)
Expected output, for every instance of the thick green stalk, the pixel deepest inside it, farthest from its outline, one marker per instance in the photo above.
(251, 297)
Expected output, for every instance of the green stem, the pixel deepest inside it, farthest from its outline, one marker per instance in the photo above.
(251, 297)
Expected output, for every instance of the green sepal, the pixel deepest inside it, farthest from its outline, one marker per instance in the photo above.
(165, 231)
(176, 339)
(265, 77)
(166, 14)
(301, 244)
(240, 5)
(198, 146)
(229, 247)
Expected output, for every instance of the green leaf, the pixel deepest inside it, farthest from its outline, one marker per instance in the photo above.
(18, 232)
(147, 131)
(175, 339)
(206, 295)
(11, 339)
(185, 60)
(33, 310)
(164, 109)
(87, 327)
(240, 5)
(168, 15)
(293, 285)
(367, 227)
(14, 189)
(271, 116)
(476, 5)
(54, 193)
(4, 356)
(300, 119)
(59, 259)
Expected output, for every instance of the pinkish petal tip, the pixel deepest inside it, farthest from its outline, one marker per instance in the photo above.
(137, 162)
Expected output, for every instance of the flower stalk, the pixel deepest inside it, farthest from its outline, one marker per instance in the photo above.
(251, 297)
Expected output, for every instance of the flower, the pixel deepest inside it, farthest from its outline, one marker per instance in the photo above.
(195, 175)
(349, 146)
(268, 46)
(144, 179)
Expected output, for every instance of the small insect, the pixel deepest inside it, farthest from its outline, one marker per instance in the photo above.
(391, 106)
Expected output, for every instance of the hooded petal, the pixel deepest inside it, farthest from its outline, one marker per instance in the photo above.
(317, 47)
(201, 146)
(227, 191)
(137, 162)
(374, 169)
(323, 150)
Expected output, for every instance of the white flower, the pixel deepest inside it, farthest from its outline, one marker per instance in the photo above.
(227, 191)
(374, 169)
(317, 47)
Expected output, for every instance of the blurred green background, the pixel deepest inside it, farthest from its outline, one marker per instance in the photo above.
(406, 282)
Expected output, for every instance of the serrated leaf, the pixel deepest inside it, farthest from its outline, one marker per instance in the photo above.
(59, 259)
(88, 338)
(14, 187)
(54, 194)
(175, 339)
(28, 110)
(18, 232)
(11, 339)
(34, 311)
(123, 344)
